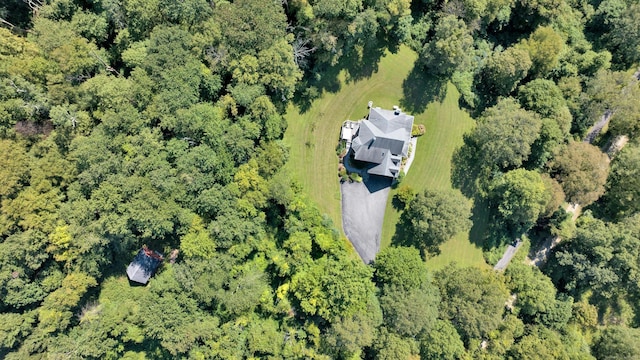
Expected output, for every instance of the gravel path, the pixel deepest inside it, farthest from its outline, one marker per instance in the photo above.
(414, 143)
(597, 127)
(363, 206)
(508, 255)
(541, 255)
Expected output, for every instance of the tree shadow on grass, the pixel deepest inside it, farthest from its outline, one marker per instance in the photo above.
(466, 168)
(421, 88)
(397, 204)
(490, 230)
(359, 67)
(326, 78)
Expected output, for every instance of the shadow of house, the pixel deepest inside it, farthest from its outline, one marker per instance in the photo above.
(144, 265)
(376, 183)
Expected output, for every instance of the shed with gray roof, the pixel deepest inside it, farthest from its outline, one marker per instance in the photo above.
(144, 265)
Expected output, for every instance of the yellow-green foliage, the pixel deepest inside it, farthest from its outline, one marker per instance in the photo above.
(197, 242)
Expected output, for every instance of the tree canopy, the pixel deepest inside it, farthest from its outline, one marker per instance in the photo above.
(432, 217)
(582, 170)
(160, 123)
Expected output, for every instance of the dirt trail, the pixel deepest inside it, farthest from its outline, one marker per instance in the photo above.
(540, 257)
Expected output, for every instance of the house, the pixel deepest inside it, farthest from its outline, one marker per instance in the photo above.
(144, 265)
(383, 139)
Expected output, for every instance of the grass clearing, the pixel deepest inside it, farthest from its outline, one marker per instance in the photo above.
(313, 135)
(445, 125)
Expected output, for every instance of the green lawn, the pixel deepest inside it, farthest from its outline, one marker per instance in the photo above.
(445, 123)
(313, 137)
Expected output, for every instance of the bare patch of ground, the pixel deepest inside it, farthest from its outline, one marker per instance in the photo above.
(616, 145)
(540, 257)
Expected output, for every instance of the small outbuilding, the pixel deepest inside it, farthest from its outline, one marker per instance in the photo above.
(144, 265)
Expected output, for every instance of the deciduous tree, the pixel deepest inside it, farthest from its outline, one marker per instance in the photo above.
(331, 287)
(504, 134)
(582, 170)
(521, 197)
(504, 70)
(622, 197)
(617, 342)
(451, 47)
(472, 299)
(432, 218)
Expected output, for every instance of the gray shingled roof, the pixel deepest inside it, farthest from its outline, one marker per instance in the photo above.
(143, 267)
(383, 139)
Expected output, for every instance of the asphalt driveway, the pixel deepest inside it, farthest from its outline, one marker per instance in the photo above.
(363, 206)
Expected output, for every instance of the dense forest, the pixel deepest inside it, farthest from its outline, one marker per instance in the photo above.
(126, 123)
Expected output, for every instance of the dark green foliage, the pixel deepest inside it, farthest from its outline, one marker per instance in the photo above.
(158, 122)
(624, 31)
(350, 334)
(504, 70)
(250, 26)
(390, 346)
(410, 312)
(600, 259)
(622, 197)
(617, 342)
(472, 299)
(504, 135)
(521, 198)
(539, 343)
(431, 218)
(534, 292)
(442, 342)
(545, 98)
(408, 299)
(626, 119)
(602, 92)
(450, 49)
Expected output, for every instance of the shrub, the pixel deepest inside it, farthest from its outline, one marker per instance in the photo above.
(398, 180)
(418, 130)
(404, 195)
(355, 177)
(341, 149)
(342, 173)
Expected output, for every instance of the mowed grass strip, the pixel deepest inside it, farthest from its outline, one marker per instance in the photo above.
(313, 135)
(445, 125)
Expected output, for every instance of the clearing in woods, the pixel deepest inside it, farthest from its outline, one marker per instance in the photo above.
(313, 135)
